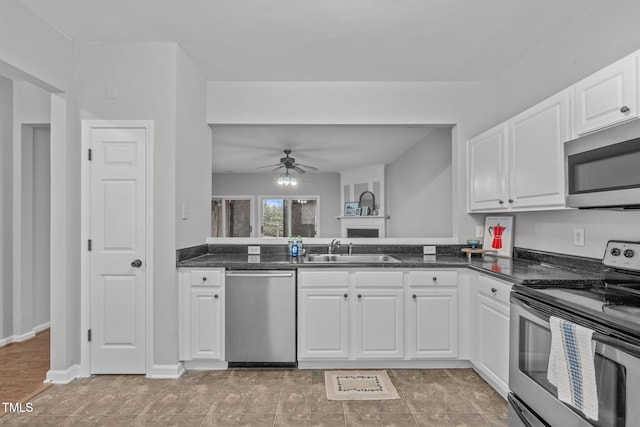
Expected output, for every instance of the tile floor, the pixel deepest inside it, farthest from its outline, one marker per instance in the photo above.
(252, 397)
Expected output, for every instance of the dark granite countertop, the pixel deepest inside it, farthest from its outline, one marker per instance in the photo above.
(516, 270)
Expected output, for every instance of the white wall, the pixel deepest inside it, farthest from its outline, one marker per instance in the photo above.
(6, 254)
(419, 189)
(605, 33)
(467, 105)
(193, 155)
(32, 107)
(144, 78)
(325, 185)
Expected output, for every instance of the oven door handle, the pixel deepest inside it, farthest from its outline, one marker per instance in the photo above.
(616, 344)
(598, 337)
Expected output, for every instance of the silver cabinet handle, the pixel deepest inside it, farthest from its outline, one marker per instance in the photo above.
(501, 202)
(359, 296)
(231, 274)
(494, 290)
(434, 278)
(346, 295)
(136, 264)
(510, 200)
(414, 296)
(204, 278)
(216, 296)
(624, 109)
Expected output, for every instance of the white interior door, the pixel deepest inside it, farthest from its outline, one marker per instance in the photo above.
(118, 212)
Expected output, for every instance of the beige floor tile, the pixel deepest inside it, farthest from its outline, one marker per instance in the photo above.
(321, 405)
(398, 420)
(362, 420)
(432, 419)
(294, 402)
(32, 420)
(496, 420)
(256, 420)
(98, 420)
(461, 419)
(292, 420)
(221, 419)
(327, 420)
(360, 406)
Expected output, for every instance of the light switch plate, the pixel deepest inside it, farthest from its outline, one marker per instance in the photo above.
(254, 250)
(578, 236)
(429, 250)
(479, 231)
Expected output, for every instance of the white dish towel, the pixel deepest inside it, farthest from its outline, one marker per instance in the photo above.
(571, 366)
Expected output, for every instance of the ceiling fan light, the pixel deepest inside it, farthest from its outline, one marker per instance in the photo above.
(294, 181)
(281, 180)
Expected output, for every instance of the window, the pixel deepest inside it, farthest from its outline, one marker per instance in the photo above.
(289, 216)
(231, 216)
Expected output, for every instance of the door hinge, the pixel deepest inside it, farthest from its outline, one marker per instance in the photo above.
(90, 153)
(89, 244)
(89, 335)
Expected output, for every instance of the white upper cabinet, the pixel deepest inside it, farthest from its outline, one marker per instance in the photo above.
(487, 161)
(519, 164)
(607, 97)
(536, 156)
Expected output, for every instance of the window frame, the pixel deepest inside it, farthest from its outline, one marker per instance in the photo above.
(252, 219)
(288, 198)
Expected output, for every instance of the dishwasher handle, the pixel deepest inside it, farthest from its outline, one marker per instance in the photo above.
(236, 274)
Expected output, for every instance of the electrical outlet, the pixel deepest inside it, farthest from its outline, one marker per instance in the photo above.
(578, 236)
(479, 231)
(429, 250)
(254, 250)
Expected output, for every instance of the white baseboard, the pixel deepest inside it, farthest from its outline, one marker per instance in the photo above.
(24, 337)
(5, 341)
(63, 376)
(205, 365)
(383, 364)
(166, 371)
(42, 327)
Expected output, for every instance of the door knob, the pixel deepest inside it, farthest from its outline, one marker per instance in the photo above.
(136, 264)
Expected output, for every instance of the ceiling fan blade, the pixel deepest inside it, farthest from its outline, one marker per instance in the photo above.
(277, 168)
(269, 166)
(307, 167)
(297, 169)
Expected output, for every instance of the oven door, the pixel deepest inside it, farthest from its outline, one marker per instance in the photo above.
(617, 366)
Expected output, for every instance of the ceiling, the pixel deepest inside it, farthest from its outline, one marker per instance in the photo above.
(325, 40)
(328, 148)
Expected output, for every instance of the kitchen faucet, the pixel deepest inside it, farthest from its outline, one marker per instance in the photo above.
(333, 245)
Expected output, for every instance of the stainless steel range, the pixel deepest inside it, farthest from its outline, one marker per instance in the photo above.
(611, 309)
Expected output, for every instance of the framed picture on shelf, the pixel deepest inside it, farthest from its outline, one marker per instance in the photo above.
(498, 234)
(351, 208)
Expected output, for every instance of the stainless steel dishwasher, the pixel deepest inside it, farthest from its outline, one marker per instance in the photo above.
(260, 317)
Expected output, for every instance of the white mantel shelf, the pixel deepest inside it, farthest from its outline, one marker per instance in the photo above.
(363, 217)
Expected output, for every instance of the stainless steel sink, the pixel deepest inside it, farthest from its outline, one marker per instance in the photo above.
(336, 258)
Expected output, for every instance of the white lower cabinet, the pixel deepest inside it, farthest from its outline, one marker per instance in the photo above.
(201, 314)
(432, 327)
(491, 323)
(323, 323)
(378, 327)
(372, 315)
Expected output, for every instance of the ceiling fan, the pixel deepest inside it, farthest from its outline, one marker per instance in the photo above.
(289, 163)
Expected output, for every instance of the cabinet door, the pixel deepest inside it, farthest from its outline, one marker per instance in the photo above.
(432, 328)
(494, 340)
(378, 324)
(323, 324)
(606, 97)
(206, 323)
(487, 158)
(536, 139)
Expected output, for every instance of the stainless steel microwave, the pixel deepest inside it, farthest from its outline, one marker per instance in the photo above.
(603, 169)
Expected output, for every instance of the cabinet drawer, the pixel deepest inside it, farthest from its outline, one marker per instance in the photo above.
(378, 278)
(433, 278)
(323, 278)
(206, 278)
(494, 288)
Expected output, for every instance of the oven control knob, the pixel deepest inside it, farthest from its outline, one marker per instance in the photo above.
(628, 253)
(615, 251)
